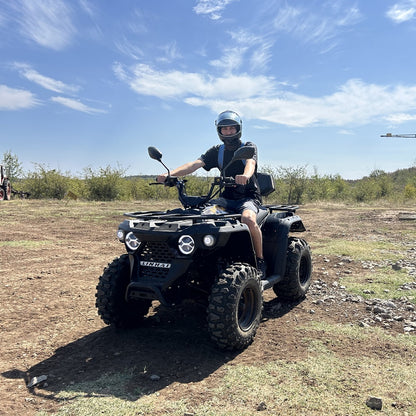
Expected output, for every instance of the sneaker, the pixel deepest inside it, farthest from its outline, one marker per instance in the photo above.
(261, 268)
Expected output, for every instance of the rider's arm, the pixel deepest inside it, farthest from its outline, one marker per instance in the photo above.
(183, 170)
(248, 172)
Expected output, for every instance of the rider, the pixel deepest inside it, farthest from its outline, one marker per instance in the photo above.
(245, 197)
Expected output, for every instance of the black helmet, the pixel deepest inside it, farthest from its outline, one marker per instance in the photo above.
(229, 118)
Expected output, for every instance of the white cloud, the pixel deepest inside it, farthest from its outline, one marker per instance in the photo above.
(346, 132)
(261, 56)
(128, 48)
(76, 105)
(252, 47)
(349, 17)
(231, 60)
(213, 8)
(286, 18)
(88, 7)
(170, 52)
(402, 12)
(176, 84)
(401, 118)
(14, 99)
(46, 82)
(353, 103)
(316, 27)
(245, 46)
(46, 22)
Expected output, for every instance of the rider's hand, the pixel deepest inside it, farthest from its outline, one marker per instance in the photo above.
(162, 178)
(241, 179)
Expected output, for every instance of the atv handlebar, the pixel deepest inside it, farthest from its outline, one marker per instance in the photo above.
(170, 181)
(228, 181)
(196, 201)
(243, 153)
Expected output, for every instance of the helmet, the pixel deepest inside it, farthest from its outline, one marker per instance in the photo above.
(229, 118)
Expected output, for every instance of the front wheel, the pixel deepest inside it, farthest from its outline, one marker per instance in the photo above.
(110, 297)
(235, 307)
(298, 274)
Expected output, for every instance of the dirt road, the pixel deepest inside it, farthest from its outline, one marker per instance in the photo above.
(51, 254)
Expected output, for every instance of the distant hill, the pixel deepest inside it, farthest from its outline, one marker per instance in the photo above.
(147, 177)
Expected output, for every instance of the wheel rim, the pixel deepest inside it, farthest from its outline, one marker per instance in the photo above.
(247, 308)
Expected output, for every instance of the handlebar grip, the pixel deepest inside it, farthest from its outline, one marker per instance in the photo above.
(170, 181)
(229, 180)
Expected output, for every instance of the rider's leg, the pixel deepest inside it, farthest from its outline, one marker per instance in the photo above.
(248, 217)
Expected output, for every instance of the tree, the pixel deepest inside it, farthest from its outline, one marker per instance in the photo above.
(12, 166)
(296, 181)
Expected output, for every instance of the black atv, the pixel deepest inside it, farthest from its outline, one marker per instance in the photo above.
(193, 253)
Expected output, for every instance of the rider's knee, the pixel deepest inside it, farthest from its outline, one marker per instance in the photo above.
(249, 218)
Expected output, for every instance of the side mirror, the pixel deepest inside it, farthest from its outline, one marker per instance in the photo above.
(157, 155)
(154, 153)
(242, 153)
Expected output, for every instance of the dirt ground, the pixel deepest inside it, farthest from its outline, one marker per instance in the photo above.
(49, 324)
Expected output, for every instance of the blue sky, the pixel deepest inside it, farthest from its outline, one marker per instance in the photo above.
(89, 83)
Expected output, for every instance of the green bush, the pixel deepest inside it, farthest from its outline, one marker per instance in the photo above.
(410, 191)
(105, 184)
(293, 185)
(44, 183)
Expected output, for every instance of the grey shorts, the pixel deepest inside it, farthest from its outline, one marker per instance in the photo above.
(237, 206)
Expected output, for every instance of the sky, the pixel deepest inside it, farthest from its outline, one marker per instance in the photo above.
(92, 84)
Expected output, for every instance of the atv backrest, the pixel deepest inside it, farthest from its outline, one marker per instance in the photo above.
(266, 183)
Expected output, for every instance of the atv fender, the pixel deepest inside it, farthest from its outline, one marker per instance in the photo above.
(275, 239)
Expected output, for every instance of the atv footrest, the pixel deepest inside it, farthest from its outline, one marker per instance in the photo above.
(270, 281)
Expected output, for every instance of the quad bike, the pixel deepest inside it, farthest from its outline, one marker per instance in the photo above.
(192, 253)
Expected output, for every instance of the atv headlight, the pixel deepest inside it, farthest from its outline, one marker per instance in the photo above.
(209, 240)
(186, 244)
(132, 242)
(120, 235)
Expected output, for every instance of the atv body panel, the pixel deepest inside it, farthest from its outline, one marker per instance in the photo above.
(159, 271)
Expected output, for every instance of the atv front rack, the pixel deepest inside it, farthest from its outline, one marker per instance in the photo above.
(195, 214)
(177, 216)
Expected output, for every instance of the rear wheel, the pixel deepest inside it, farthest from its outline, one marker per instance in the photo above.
(235, 307)
(110, 297)
(298, 274)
